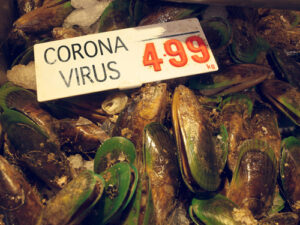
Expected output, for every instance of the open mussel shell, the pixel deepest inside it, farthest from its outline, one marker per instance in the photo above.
(231, 79)
(217, 210)
(218, 32)
(120, 184)
(198, 159)
(290, 171)
(284, 96)
(285, 67)
(256, 170)
(112, 151)
(163, 170)
(75, 200)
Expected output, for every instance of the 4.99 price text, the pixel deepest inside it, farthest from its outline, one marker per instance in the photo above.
(150, 57)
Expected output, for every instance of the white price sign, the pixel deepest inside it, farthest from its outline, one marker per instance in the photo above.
(121, 59)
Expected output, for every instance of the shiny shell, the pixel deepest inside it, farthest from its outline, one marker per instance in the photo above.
(290, 171)
(197, 155)
(75, 200)
(256, 170)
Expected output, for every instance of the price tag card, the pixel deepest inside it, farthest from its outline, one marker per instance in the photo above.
(121, 59)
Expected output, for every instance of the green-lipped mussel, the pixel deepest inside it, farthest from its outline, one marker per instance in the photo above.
(283, 96)
(199, 161)
(19, 202)
(231, 79)
(254, 178)
(213, 211)
(120, 184)
(235, 113)
(144, 189)
(285, 67)
(290, 171)
(74, 201)
(163, 171)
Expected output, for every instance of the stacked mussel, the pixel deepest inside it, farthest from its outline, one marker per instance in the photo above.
(217, 148)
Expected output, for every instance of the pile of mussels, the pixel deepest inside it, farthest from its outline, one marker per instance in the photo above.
(217, 148)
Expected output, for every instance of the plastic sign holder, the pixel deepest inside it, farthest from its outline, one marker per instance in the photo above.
(121, 59)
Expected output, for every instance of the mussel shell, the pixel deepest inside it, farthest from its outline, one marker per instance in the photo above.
(284, 96)
(218, 33)
(79, 135)
(264, 126)
(112, 151)
(14, 97)
(44, 18)
(118, 187)
(18, 200)
(163, 170)
(75, 200)
(213, 211)
(231, 79)
(149, 106)
(285, 67)
(166, 12)
(290, 171)
(111, 17)
(245, 46)
(235, 112)
(256, 170)
(140, 210)
(32, 147)
(198, 159)
(24, 101)
(278, 202)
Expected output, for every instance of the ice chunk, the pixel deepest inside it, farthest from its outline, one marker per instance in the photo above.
(87, 16)
(23, 75)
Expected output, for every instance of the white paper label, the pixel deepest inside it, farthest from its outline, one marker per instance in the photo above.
(121, 59)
